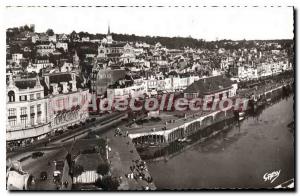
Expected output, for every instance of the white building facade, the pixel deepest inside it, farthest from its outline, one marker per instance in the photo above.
(26, 109)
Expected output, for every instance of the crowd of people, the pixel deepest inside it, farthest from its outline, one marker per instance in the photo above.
(139, 171)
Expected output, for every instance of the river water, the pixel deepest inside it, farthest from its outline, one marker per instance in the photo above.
(237, 158)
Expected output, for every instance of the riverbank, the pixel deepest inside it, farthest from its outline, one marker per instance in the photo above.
(166, 144)
(235, 158)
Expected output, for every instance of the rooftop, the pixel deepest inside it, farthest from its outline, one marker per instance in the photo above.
(208, 85)
(173, 119)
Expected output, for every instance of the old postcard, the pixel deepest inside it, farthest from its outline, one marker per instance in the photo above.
(145, 98)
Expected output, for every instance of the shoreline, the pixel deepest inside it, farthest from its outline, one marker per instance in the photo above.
(214, 133)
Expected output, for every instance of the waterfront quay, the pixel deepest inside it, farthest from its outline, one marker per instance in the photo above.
(169, 127)
(265, 87)
(126, 163)
(235, 158)
(172, 127)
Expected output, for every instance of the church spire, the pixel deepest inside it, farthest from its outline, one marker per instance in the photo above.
(108, 31)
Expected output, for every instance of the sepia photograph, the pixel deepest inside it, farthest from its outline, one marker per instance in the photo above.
(150, 98)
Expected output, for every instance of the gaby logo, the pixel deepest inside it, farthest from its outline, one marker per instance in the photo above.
(271, 176)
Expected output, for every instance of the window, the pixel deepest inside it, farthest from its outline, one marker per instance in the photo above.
(38, 95)
(32, 120)
(23, 110)
(32, 109)
(24, 120)
(39, 108)
(23, 98)
(12, 121)
(11, 96)
(31, 96)
(38, 120)
(11, 112)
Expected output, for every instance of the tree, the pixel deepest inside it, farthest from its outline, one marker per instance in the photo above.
(50, 32)
(77, 170)
(24, 65)
(26, 28)
(103, 169)
(61, 50)
(108, 183)
(73, 35)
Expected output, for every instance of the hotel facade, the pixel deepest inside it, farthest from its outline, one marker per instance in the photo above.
(39, 107)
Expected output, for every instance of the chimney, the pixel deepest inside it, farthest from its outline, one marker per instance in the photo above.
(73, 76)
(74, 89)
(65, 87)
(47, 81)
(55, 89)
(38, 83)
(73, 82)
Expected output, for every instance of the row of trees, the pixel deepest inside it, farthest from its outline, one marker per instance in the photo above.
(180, 42)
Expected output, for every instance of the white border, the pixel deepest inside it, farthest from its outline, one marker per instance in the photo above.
(112, 2)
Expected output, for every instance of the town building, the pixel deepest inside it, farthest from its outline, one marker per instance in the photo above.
(68, 100)
(52, 38)
(129, 87)
(26, 109)
(105, 77)
(62, 45)
(17, 57)
(39, 63)
(37, 107)
(45, 49)
(85, 39)
(211, 89)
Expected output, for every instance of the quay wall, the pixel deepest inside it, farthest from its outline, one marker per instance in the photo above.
(181, 131)
(197, 124)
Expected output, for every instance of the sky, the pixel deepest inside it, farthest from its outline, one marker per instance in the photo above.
(208, 23)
